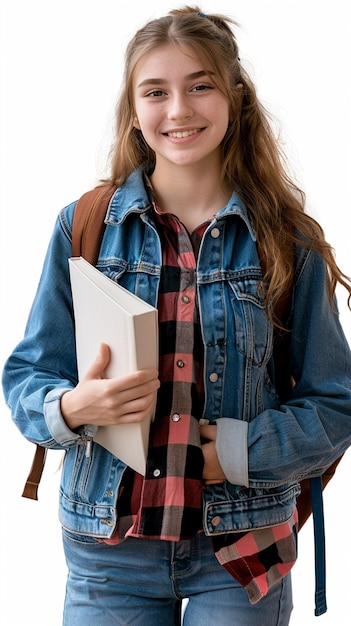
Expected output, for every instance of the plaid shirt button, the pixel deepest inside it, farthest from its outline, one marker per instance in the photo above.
(156, 473)
(185, 299)
(180, 363)
(175, 417)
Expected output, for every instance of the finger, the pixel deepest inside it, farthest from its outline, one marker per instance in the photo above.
(215, 481)
(134, 386)
(208, 432)
(120, 401)
(98, 367)
(137, 410)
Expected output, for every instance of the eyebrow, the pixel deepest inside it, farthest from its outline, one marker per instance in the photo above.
(161, 81)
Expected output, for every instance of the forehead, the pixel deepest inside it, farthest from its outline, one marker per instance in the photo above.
(168, 61)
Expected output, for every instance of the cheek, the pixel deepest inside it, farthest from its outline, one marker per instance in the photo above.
(137, 118)
(223, 113)
(146, 118)
(218, 111)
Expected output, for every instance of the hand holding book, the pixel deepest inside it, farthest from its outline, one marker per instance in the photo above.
(118, 388)
(103, 402)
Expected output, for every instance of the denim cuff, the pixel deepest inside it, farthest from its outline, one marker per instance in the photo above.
(54, 420)
(232, 449)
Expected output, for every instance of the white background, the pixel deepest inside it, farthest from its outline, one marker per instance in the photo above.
(61, 69)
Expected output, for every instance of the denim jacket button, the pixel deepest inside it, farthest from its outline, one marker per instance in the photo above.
(215, 232)
(213, 377)
(216, 520)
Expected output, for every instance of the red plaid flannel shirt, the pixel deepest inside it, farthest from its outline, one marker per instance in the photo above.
(167, 504)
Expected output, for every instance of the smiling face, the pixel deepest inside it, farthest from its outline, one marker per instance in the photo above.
(181, 113)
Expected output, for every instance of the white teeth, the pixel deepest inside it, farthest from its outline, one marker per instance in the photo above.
(184, 133)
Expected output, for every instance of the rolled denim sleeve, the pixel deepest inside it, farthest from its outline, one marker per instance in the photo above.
(54, 419)
(233, 459)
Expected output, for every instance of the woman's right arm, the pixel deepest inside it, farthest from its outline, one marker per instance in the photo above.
(43, 365)
(40, 377)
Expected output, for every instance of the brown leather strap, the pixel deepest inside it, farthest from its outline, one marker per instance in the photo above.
(88, 222)
(32, 483)
(87, 231)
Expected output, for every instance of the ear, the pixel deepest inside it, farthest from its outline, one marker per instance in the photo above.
(136, 123)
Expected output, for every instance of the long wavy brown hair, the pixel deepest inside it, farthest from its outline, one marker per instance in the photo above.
(253, 162)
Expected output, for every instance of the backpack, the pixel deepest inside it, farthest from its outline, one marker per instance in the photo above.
(87, 231)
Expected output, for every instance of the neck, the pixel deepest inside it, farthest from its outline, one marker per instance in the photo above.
(193, 196)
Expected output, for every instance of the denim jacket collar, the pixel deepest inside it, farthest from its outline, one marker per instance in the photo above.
(133, 197)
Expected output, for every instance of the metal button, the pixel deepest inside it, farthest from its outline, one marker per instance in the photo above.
(180, 363)
(216, 520)
(185, 299)
(157, 473)
(215, 232)
(213, 377)
(175, 417)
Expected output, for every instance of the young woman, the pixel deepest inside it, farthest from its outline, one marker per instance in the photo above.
(207, 226)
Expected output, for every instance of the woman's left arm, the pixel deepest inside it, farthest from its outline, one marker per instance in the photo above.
(313, 428)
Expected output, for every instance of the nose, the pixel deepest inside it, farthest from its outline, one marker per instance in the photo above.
(179, 107)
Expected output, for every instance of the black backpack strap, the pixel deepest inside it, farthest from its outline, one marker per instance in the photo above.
(316, 487)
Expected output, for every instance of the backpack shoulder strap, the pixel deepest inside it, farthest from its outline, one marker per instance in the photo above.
(88, 222)
(87, 231)
(32, 483)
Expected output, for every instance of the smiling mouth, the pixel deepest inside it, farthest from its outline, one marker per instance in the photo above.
(180, 134)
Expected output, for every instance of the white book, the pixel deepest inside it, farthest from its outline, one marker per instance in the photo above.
(107, 313)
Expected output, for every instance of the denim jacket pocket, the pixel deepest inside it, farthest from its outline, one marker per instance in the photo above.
(89, 491)
(140, 278)
(253, 332)
(230, 508)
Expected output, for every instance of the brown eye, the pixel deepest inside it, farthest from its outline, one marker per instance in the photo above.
(156, 93)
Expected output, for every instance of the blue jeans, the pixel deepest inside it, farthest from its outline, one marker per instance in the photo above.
(142, 582)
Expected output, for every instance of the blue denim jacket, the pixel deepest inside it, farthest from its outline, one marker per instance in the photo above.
(265, 448)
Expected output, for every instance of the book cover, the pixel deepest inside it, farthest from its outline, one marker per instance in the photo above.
(107, 313)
